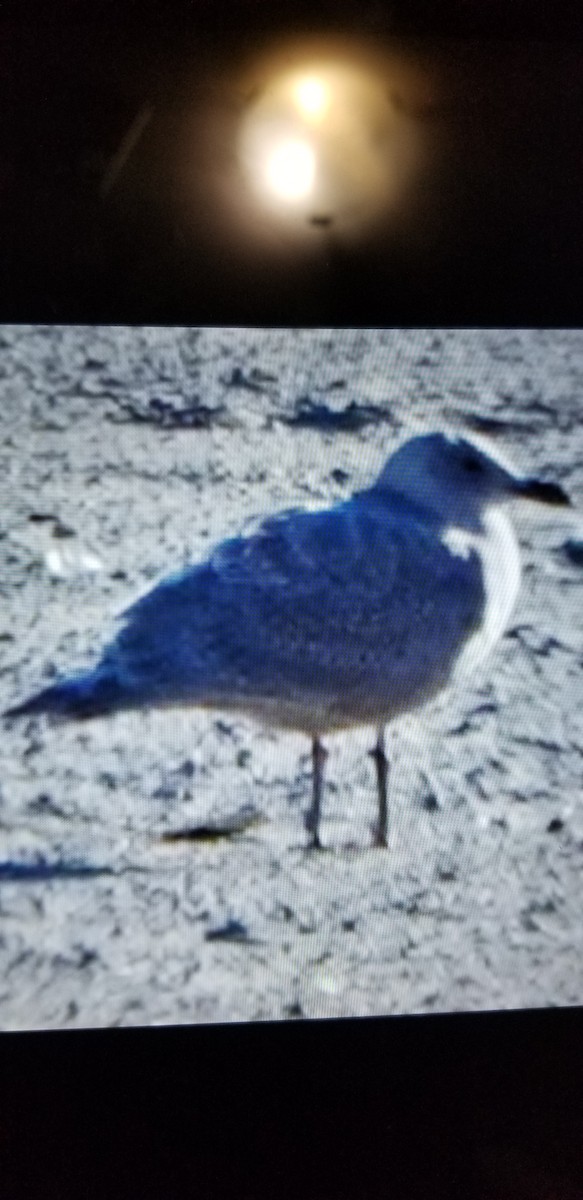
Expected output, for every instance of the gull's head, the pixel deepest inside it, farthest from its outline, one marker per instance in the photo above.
(458, 480)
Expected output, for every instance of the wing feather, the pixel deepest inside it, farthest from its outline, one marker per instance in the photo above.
(360, 604)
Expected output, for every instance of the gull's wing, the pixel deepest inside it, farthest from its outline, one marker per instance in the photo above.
(359, 605)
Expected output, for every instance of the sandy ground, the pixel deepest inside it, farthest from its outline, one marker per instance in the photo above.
(477, 903)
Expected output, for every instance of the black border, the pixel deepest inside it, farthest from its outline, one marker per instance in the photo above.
(483, 1105)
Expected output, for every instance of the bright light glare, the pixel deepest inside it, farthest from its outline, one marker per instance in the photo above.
(312, 98)
(321, 143)
(290, 169)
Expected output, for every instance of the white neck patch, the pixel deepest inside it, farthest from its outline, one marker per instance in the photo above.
(499, 553)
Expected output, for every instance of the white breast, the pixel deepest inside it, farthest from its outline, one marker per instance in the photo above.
(499, 553)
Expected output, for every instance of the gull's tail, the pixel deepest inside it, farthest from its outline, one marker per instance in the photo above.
(91, 695)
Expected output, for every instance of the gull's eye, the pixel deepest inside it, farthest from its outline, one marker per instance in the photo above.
(471, 463)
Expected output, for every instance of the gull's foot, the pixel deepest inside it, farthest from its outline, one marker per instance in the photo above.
(379, 838)
(311, 827)
(315, 844)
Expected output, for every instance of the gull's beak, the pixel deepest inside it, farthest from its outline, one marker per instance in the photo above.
(545, 493)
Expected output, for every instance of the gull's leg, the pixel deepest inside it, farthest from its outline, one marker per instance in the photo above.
(312, 820)
(382, 769)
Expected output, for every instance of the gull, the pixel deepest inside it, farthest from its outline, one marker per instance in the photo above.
(321, 620)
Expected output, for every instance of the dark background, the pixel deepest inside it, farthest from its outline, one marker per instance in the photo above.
(484, 1107)
(502, 243)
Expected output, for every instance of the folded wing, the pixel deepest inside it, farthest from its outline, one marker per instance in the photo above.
(361, 608)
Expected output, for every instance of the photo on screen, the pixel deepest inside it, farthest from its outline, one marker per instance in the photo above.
(290, 657)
